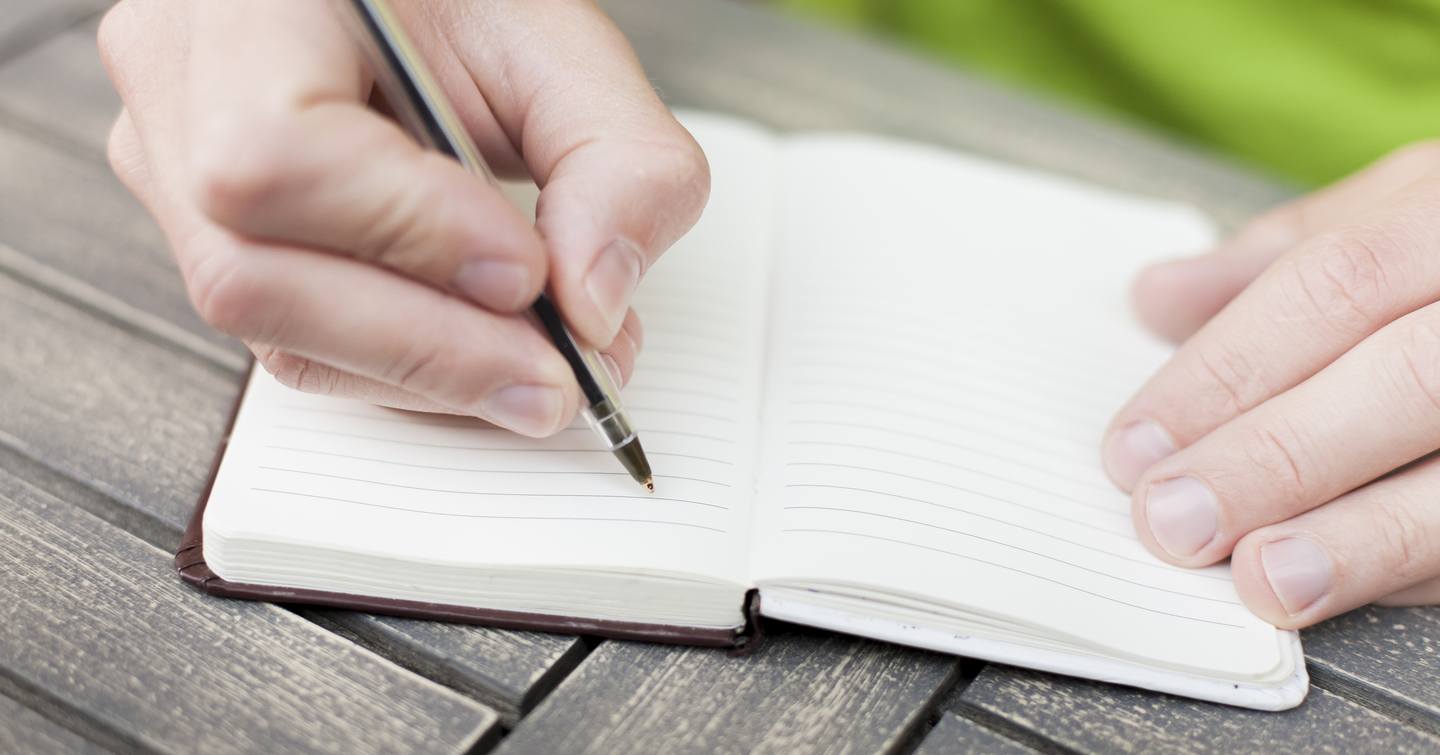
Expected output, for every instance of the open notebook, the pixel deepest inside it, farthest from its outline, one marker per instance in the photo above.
(873, 384)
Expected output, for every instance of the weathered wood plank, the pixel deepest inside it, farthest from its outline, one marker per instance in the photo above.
(72, 215)
(95, 618)
(509, 671)
(1387, 657)
(60, 87)
(140, 422)
(24, 731)
(1094, 717)
(803, 692)
(26, 23)
(954, 735)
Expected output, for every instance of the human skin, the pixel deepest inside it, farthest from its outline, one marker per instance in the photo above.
(352, 262)
(1293, 430)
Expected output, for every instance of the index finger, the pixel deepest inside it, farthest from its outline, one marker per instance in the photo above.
(620, 178)
(1311, 306)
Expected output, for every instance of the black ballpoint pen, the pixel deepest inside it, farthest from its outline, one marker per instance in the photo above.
(422, 107)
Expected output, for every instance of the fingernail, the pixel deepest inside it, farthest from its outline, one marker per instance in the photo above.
(1131, 450)
(612, 367)
(612, 280)
(494, 283)
(526, 409)
(1183, 515)
(1299, 571)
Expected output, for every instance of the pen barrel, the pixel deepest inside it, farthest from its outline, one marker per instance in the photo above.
(609, 422)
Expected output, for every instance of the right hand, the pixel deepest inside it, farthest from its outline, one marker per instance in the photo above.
(352, 262)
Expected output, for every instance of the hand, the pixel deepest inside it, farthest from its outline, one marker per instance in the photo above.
(352, 262)
(1294, 430)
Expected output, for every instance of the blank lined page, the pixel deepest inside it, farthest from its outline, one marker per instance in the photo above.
(949, 341)
(347, 477)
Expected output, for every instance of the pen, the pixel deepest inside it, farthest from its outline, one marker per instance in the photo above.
(421, 106)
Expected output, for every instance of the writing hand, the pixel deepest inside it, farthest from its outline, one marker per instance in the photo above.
(353, 263)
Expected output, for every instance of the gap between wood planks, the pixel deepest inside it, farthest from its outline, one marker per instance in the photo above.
(1332, 680)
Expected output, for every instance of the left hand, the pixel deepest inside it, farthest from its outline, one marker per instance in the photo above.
(1294, 431)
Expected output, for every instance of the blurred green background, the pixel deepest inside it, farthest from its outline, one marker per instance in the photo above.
(1307, 89)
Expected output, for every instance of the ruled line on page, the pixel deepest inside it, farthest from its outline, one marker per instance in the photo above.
(692, 372)
(654, 352)
(934, 358)
(487, 516)
(493, 493)
(961, 488)
(941, 394)
(690, 335)
(492, 449)
(464, 423)
(1017, 571)
(711, 395)
(863, 317)
(1080, 446)
(682, 412)
(897, 496)
(1023, 379)
(963, 447)
(373, 460)
(1014, 547)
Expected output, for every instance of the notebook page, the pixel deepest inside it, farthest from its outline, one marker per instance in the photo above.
(343, 475)
(949, 341)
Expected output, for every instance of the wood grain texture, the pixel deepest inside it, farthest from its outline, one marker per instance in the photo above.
(60, 88)
(509, 671)
(22, 730)
(140, 422)
(24, 23)
(94, 617)
(803, 692)
(1387, 657)
(954, 735)
(84, 225)
(1093, 717)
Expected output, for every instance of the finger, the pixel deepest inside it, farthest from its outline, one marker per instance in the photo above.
(1175, 298)
(1375, 542)
(284, 149)
(1304, 311)
(1301, 448)
(363, 320)
(620, 179)
(1425, 593)
(310, 376)
(619, 357)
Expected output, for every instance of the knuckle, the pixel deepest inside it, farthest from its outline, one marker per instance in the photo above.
(116, 33)
(1232, 375)
(416, 227)
(1417, 362)
(123, 152)
(1277, 452)
(297, 372)
(1407, 543)
(1344, 280)
(687, 171)
(427, 366)
(225, 295)
(236, 168)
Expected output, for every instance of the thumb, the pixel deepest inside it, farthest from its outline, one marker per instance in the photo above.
(1173, 299)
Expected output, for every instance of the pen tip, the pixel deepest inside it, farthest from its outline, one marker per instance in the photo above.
(649, 484)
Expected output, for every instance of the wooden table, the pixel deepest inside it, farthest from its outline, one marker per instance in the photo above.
(113, 397)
